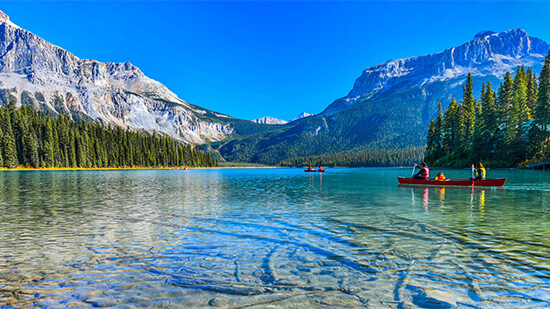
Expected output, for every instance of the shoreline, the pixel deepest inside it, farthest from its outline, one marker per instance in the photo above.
(22, 168)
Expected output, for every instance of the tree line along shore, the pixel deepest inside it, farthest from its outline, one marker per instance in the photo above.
(506, 128)
(34, 139)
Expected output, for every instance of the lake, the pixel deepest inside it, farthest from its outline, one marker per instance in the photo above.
(272, 237)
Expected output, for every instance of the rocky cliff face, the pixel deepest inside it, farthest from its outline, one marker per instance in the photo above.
(33, 71)
(488, 54)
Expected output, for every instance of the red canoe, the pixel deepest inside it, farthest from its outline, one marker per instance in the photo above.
(453, 182)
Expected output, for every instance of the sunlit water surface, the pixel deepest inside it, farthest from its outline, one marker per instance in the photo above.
(271, 237)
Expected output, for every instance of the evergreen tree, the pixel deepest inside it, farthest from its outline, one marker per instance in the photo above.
(34, 157)
(1, 145)
(542, 108)
(478, 134)
(49, 159)
(72, 149)
(468, 108)
(489, 115)
(518, 117)
(451, 127)
(531, 89)
(504, 98)
(520, 104)
(438, 132)
(431, 143)
(10, 152)
(81, 149)
(435, 144)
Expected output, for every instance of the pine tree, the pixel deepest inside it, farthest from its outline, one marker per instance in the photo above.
(519, 115)
(10, 152)
(468, 113)
(431, 147)
(34, 158)
(531, 89)
(451, 127)
(438, 132)
(520, 103)
(1, 143)
(81, 149)
(504, 98)
(49, 159)
(489, 115)
(542, 108)
(72, 149)
(479, 131)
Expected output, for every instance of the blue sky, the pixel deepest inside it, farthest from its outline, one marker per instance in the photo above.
(251, 59)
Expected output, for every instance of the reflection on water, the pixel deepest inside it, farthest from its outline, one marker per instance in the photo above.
(423, 193)
(283, 238)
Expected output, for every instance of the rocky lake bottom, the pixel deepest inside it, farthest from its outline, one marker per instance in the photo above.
(271, 237)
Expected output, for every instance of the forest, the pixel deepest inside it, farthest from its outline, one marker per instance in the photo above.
(30, 138)
(375, 158)
(506, 128)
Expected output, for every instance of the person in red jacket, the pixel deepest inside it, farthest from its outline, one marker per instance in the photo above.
(424, 172)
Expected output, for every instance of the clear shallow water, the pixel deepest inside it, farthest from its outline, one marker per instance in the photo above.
(271, 237)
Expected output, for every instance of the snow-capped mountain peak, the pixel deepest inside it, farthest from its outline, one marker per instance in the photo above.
(484, 34)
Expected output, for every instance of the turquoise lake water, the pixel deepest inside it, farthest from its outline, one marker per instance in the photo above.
(283, 238)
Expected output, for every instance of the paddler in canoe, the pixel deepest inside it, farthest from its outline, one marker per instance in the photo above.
(424, 173)
(479, 172)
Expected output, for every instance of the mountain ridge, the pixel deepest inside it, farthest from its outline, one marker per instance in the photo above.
(481, 56)
(36, 72)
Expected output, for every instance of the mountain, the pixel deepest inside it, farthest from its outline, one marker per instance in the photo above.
(391, 104)
(36, 72)
(269, 120)
(302, 115)
(488, 54)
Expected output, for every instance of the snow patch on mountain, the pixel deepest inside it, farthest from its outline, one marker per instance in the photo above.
(302, 115)
(269, 120)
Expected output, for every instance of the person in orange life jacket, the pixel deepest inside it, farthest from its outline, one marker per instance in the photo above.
(440, 176)
(424, 172)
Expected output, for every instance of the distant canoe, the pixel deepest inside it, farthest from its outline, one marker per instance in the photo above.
(453, 182)
(315, 171)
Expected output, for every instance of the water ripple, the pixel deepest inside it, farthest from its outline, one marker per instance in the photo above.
(258, 238)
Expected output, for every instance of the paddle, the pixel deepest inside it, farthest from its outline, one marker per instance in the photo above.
(414, 167)
(473, 173)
